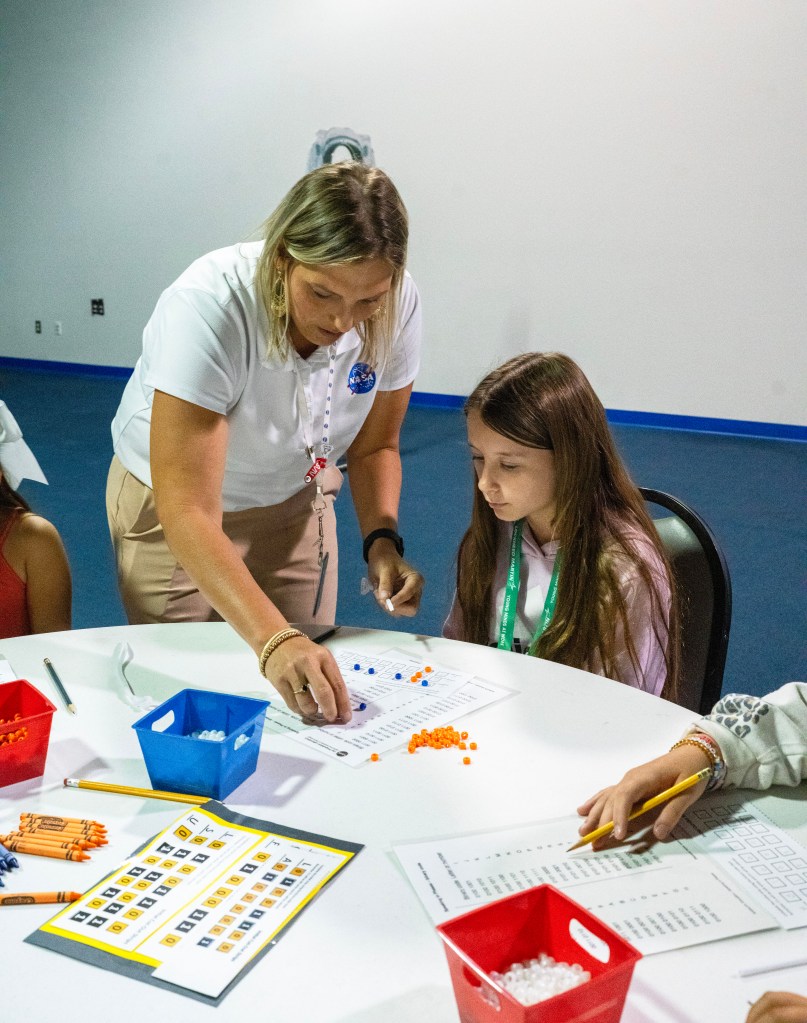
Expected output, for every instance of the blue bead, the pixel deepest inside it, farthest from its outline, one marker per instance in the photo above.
(424, 682)
(398, 675)
(357, 667)
(371, 671)
(362, 706)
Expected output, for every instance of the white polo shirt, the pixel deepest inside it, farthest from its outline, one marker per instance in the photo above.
(206, 343)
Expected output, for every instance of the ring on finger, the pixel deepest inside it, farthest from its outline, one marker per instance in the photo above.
(305, 688)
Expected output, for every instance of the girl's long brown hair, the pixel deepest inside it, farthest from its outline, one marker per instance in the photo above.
(10, 500)
(544, 400)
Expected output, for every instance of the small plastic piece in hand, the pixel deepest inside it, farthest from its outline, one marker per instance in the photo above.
(366, 586)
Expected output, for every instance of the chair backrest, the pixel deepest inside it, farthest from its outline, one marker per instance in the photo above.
(703, 585)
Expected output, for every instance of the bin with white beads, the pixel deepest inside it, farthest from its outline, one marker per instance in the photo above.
(530, 930)
(201, 742)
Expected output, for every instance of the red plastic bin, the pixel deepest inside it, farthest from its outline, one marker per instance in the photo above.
(24, 758)
(521, 927)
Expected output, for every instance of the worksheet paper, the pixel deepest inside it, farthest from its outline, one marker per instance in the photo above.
(668, 896)
(396, 705)
(7, 673)
(759, 857)
(200, 903)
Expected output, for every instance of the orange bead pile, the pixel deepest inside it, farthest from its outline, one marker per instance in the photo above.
(440, 738)
(6, 738)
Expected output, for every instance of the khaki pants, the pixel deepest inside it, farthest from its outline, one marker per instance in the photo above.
(279, 545)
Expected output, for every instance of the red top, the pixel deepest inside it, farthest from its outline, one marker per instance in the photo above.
(14, 620)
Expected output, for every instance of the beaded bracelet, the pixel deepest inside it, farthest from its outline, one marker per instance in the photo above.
(273, 643)
(712, 750)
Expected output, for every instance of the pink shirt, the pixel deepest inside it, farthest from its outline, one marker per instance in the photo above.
(537, 563)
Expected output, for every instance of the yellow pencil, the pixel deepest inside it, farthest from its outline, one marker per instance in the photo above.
(662, 797)
(130, 790)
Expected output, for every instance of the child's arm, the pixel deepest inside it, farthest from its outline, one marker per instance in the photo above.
(47, 572)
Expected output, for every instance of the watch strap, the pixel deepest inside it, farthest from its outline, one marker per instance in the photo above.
(385, 534)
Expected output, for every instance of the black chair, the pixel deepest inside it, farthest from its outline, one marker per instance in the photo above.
(703, 585)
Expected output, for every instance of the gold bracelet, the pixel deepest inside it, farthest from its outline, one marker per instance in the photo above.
(690, 740)
(273, 643)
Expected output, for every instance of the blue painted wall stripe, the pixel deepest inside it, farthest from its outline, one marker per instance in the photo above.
(425, 399)
(76, 369)
(656, 420)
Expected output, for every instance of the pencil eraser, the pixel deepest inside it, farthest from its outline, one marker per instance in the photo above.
(390, 605)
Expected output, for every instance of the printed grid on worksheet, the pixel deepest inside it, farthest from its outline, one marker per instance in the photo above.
(764, 859)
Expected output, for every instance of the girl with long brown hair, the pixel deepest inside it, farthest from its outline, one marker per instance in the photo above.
(561, 559)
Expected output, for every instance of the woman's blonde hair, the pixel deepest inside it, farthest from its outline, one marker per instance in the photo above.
(339, 213)
(544, 400)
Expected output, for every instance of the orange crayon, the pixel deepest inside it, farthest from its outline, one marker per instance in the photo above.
(61, 820)
(89, 829)
(17, 836)
(37, 898)
(58, 843)
(48, 824)
(44, 849)
(66, 833)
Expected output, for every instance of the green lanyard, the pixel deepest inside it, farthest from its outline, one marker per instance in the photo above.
(508, 620)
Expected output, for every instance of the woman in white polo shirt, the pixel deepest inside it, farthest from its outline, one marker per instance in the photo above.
(262, 365)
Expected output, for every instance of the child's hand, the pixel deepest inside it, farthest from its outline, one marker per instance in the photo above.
(616, 802)
(778, 1007)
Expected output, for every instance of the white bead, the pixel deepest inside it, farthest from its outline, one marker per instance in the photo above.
(535, 980)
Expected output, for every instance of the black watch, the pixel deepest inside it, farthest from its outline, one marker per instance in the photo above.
(379, 534)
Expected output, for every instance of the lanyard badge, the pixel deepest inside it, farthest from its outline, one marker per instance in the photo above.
(318, 463)
(316, 468)
(508, 620)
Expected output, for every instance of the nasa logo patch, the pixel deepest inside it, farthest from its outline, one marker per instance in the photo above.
(361, 379)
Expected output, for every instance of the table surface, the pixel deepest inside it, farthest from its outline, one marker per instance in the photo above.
(365, 950)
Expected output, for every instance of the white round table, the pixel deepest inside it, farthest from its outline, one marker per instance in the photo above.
(365, 950)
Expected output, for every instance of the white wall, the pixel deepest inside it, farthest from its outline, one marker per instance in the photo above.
(621, 180)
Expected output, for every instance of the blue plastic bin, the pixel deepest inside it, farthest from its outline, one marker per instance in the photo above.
(179, 763)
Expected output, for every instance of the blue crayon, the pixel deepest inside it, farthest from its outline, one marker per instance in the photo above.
(10, 861)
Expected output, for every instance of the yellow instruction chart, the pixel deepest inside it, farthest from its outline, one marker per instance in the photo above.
(199, 903)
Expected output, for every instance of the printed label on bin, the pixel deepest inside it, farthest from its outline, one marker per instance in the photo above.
(595, 946)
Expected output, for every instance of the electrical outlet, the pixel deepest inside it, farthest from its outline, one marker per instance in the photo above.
(37, 326)
(97, 306)
(57, 327)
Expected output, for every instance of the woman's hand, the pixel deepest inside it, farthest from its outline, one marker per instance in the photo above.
(640, 783)
(778, 1007)
(394, 579)
(307, 677)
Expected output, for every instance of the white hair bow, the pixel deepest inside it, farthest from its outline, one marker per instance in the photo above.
(16, 458)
